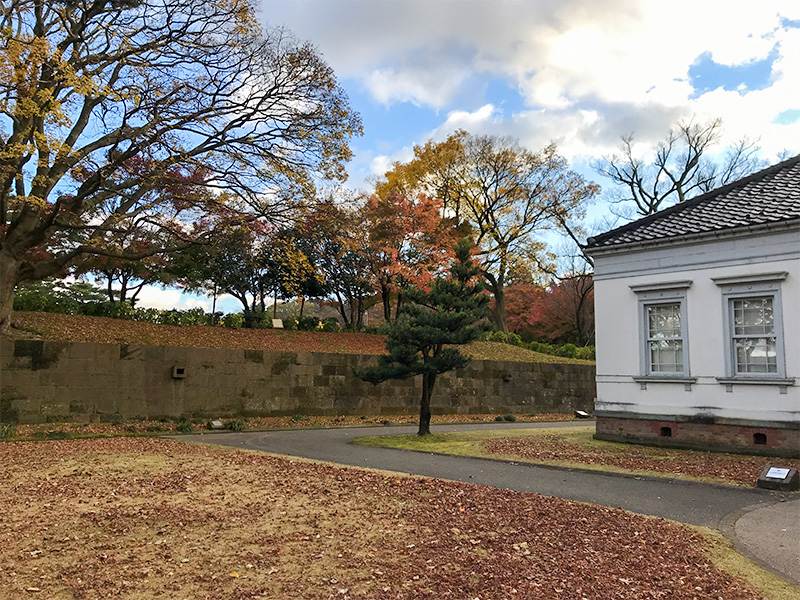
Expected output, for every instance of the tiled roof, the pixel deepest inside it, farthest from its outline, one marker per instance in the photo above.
(763, 198)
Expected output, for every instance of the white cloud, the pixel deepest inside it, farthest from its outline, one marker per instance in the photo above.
(166, 299)
(471, 121)
(588, 70)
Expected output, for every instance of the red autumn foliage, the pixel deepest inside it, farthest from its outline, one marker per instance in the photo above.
(562, 313)
(409, 241)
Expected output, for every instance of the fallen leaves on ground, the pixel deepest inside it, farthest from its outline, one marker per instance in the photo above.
(103, 330)
(728, 468)
(159, 427)
(147, 518)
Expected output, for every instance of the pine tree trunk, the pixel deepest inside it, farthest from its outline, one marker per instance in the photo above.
(428, 381)
(9, 271)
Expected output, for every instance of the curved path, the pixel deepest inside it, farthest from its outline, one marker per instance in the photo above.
(717, 506)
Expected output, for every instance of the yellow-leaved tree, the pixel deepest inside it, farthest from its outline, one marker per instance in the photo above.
(158, 112)
(508, 195)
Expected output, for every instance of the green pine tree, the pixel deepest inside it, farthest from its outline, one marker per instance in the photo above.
(451, 313)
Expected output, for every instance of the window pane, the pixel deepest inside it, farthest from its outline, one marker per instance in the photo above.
(753, 316)
(666, 356)
(664, 321)
(756, 355)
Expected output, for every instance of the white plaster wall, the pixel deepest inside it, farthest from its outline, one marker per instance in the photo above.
(618, 336)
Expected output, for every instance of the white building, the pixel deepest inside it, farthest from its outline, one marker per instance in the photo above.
(698, 320)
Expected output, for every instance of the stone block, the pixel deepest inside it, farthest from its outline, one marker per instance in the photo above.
(254, 356)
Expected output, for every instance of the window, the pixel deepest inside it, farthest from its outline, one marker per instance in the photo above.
(664, 345)
(751, 307)
(664, 339)
(754, 341)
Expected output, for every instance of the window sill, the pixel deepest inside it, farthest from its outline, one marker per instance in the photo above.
(643, 380)
(782, 381)
(664, 379)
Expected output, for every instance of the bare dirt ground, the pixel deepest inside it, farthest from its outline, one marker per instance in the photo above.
(147, 518)
(579, 448)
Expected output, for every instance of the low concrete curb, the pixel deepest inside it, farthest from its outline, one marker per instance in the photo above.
(768, 535)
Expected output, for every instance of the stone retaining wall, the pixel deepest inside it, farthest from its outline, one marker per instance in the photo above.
(58, 381)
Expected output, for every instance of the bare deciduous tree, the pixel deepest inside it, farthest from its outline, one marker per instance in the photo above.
(680, 169)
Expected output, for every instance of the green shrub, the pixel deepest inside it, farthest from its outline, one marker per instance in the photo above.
(509, 418)
(298, 417)
(567, 351)
(184, 427)
(56, 296)
(585, 353)
(155, 427)
(498, 336)
(170, 317)
(498, 418)
(290, 323)
(233, 320)
(514, 340)
(331, 324)
(147, 315)
(541, 347)
(7, 431)
(235, 425)
(193, 316)
(308, 323)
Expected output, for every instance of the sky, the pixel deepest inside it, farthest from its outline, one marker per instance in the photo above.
(579, 73)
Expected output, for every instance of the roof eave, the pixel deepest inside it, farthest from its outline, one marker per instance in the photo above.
(742, 231)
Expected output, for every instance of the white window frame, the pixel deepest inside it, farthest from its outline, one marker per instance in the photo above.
(766, 285)
(672, 292)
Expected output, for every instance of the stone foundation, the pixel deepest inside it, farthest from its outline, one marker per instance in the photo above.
(771, 439)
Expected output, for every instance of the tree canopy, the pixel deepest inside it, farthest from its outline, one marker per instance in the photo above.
(101, 103)
(503, 193)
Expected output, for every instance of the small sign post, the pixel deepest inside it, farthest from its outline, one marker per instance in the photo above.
(779, 478)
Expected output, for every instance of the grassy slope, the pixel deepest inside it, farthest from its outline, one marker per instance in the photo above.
(55, 327)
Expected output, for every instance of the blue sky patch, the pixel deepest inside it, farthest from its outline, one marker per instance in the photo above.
(505, 98)
(787, 117)
(706, 75)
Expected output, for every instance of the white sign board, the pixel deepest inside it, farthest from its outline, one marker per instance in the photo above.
(777, 473)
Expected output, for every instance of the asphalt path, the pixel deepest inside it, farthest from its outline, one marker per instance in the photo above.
(687, 502)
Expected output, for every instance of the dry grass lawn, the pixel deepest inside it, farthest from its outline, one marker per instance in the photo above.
(147, 518)
(575, 447)
(102, 330)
